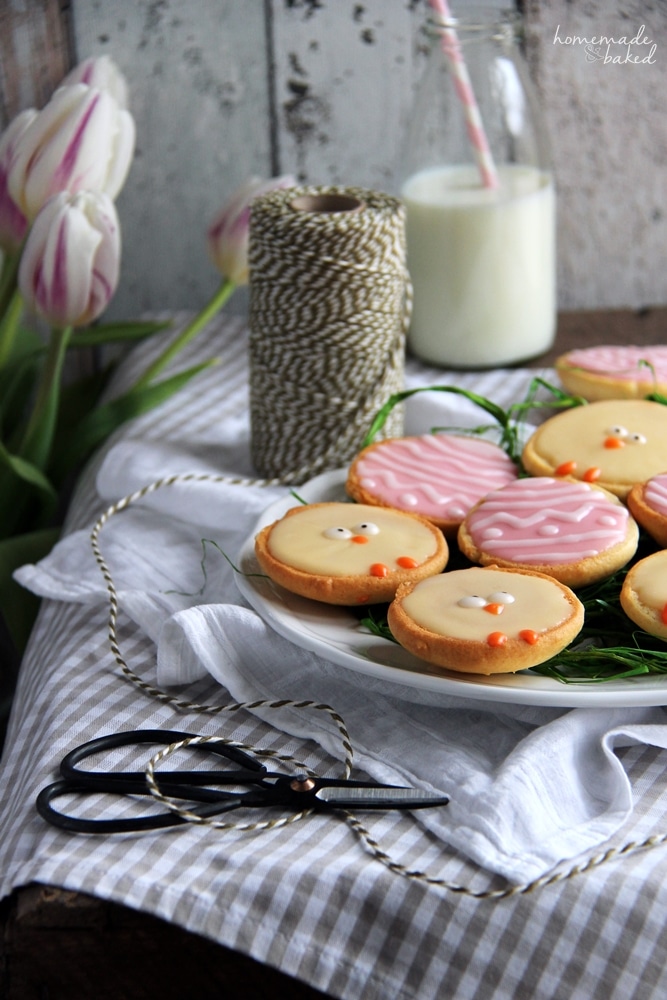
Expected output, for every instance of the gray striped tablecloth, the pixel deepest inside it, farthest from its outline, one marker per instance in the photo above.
(309, 899)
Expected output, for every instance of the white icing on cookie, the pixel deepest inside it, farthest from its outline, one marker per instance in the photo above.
(547, 521)
(440, 604)
(578, 442)
(649, 582)
(349, 539)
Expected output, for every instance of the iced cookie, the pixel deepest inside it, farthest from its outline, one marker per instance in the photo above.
(644, 594)
(439, 476)
(614, 443)
(347, 553)
(648, 503)
(572, 531)
(485, 620)
(613, 372)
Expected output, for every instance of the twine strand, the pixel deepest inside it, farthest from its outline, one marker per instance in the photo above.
(192, 817)
(550, 878)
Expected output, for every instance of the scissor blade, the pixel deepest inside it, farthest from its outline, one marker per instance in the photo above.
(342, 797)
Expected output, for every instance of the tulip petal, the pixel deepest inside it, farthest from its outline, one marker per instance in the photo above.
(227, 237)
(76, 154)
(81, 140)
(13, 223)
(65, 176)
(123, 152)
(100, 72)
(64, 286)
(70, 264)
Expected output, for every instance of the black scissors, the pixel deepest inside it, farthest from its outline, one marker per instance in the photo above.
(265, 788)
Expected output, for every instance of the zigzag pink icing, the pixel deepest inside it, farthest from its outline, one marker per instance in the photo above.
(436, 475)
(547, 521)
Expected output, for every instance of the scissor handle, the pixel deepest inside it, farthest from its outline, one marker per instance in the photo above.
(183, 784)
(214, 803)
(252, 769)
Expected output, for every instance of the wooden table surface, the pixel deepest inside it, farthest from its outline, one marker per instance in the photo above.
(61, 944)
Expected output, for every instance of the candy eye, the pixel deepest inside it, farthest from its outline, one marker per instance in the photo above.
(618, 431)
(636, 438)
(366, 528)
(472, 601)
(337, 533)
(501, 597)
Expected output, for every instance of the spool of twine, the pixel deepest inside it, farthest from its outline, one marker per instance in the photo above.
(329, 308)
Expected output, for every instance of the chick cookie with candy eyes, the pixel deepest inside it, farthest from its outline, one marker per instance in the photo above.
(644, 594)
(348, 553)
(613, 443)
(485, 620)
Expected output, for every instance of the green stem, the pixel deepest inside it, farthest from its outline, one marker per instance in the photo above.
(9, 325)
(38, 437)
(200, 320)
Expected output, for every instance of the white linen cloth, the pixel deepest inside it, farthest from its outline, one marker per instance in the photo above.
(529, 786)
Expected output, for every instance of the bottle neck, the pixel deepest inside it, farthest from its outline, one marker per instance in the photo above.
(487, 25)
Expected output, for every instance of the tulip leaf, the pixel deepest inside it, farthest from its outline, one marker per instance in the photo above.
(36, 443)
(27, 497)
(16, 382)
(9, 327)
(80, 398)
(95, 428)
(27, 343)
(9, 292)
(212, 307)
(26, 471)
(109, 333)
(19, 607)
(17, 375)
(77, 401)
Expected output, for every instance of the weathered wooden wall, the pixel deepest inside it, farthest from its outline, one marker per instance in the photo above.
(608, 124)
(319, 88)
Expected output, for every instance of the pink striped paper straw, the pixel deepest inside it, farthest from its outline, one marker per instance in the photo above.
(452, 49)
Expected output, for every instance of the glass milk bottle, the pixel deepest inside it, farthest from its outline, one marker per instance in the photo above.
(479, 196)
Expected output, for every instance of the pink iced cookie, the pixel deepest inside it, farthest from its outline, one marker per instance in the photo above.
(440, 476)
(648, 503)
(614, 372)
(574, 532)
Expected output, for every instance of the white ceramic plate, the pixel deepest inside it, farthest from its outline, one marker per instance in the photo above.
(335, 634)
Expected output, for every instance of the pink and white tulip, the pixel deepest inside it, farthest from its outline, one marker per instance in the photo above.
(80, 141)
(229, 231)
(70, 264)
(102, 73)
(13, 223)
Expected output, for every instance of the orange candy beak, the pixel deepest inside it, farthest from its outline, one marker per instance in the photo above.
(614, 442)
(359, 539)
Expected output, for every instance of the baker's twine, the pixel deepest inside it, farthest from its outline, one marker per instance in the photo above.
(330, 303)
(550, 878)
